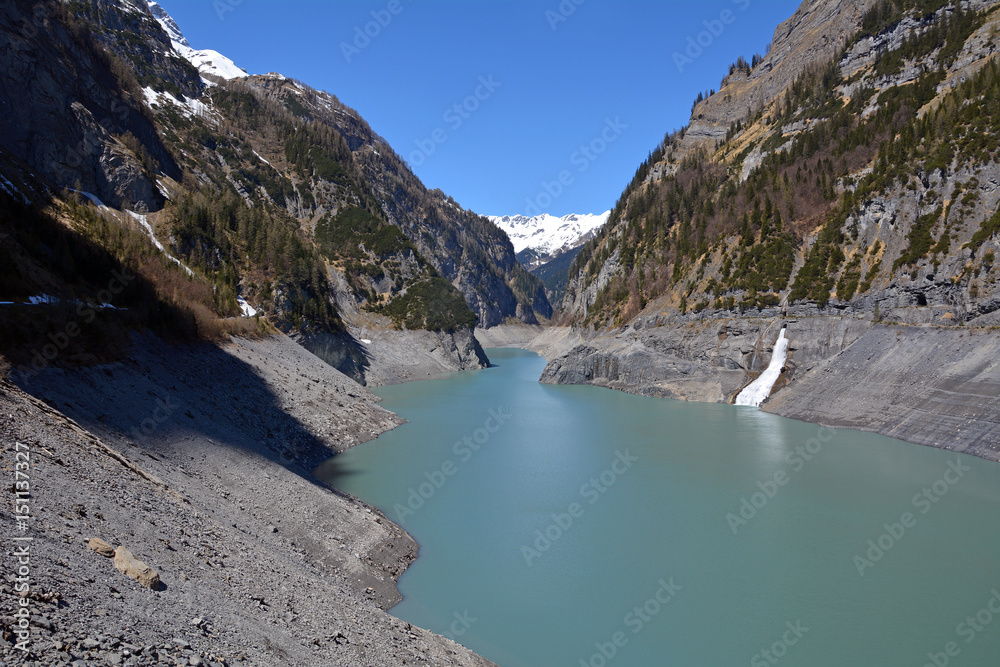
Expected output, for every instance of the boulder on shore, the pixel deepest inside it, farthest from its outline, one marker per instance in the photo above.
(101, 547)
(130, 566)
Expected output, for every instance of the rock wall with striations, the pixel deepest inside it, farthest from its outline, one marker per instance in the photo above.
(699, 360)
(814, 34)
(932, 386)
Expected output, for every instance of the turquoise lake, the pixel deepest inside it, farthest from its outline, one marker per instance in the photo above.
(582, 526)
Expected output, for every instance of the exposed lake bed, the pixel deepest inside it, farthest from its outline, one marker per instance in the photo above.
(576, 525)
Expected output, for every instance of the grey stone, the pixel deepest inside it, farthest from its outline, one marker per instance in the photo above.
(937, 387)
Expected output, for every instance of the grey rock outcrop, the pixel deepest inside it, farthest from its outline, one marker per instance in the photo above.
(390, 357)
(581, 294)
(707, 361)
(931, 386)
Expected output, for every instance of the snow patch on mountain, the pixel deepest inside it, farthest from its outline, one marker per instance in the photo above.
(547, 234)
(205, 61)
(12, 190)
(148, 228)
(188, 106)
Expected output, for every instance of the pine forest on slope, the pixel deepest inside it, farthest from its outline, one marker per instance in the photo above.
(871, 179)
(263, 187)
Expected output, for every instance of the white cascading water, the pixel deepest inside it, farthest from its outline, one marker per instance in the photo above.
(755, 392)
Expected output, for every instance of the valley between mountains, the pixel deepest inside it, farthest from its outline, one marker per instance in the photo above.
(205, 272)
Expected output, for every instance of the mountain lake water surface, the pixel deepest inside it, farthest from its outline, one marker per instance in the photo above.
(574, 525)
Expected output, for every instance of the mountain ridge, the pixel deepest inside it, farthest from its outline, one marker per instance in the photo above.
(548, 235)
(137, 124)
(547, 245)
(207, 61)
(705, 213)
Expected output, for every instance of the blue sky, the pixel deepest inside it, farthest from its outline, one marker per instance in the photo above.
(512, 107)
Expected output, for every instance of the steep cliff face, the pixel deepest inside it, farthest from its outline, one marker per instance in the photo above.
(862, 179)
(265, 187)
(69, 110)
(814, 34)
(936, 387)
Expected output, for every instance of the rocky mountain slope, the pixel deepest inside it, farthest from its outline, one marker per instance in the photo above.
(198, 460)
(851, 172)
(261, 186)
(869, 178)
(814, 34)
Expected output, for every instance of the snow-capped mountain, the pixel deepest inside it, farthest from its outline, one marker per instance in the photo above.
(205, 61)
(548, 235)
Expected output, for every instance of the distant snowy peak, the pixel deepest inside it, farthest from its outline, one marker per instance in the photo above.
(547, 234)
(205, 61)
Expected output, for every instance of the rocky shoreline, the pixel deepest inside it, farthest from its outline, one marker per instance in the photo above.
(198, 460)
(930, 385)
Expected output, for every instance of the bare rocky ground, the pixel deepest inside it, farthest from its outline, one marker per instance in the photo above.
(378, 356)
(197, 459)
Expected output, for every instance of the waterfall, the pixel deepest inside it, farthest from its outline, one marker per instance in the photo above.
(755, 392)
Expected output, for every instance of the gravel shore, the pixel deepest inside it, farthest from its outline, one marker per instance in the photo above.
(198, 460)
